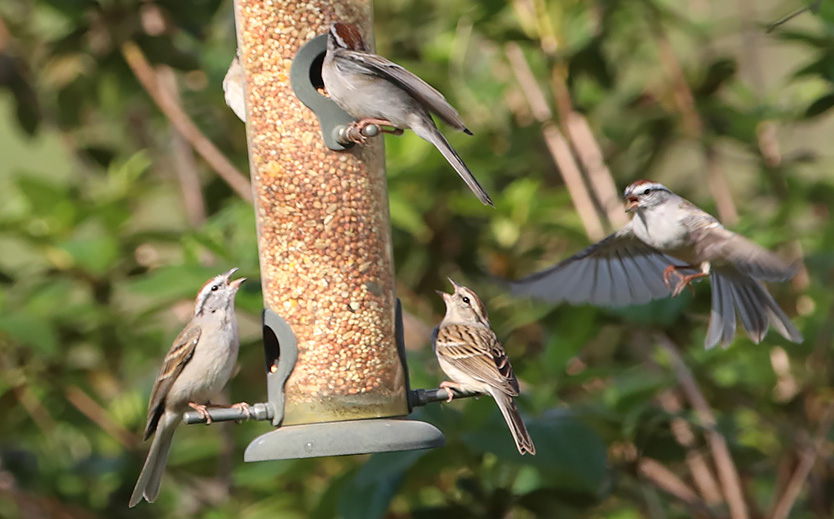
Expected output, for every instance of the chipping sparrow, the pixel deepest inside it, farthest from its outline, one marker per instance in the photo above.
(377, 91)
(196, 368)
(469, 353)
(671, 236)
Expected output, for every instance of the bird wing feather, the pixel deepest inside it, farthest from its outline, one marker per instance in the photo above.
(619, 270)
(178, 356)
(427, 95)
(477, 352)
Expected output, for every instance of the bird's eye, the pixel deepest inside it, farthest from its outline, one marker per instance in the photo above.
(214, 288)
(647, 191)
(465, 299)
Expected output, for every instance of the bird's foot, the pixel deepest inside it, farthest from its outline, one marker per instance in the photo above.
(359, 131)
(202, 409)
(243, 406)
(686, 281)
(449, 386)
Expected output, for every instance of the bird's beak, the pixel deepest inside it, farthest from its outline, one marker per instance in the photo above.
(443, 294)
(228, 276)
(452, 281)
(632, 203)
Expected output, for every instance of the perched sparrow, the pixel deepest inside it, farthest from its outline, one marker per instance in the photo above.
(377, 91)
(196, 368)
(470, 355)
(667, 237)
(233, 89)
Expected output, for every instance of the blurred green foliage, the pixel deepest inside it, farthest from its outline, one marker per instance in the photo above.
(99, 259)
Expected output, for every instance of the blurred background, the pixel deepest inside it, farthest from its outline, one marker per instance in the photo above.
(110, 223)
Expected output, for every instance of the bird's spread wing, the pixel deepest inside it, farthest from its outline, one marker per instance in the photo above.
(178, 356)
(619, 270)
(722, 246)
(477, 352)
(419, 89)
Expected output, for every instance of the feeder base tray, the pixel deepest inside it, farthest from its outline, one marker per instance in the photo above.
(343, 438)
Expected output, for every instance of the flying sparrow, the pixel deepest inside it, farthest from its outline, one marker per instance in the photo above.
(471, 356)
(671, 237)
(196, 368)
(377, 91)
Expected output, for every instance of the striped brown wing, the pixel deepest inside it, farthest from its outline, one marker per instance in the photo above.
(178, 356)
(475, 351)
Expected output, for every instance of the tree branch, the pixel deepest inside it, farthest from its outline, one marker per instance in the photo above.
(726, 468)
(806, 463)
(182, 122)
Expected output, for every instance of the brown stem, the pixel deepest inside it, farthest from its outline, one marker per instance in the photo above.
(182, 122)
(726, 468)
(666, 480)
(98, 415)
(699, 467)
(556, 143)
(806, 463)
(183, 157)
(693, 125)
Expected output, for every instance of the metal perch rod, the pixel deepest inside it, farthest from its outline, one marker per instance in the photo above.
(264, 411)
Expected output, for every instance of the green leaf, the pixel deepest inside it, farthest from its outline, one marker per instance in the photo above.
(570, 454)
(36, 332)
(370, 492)
(820, 106)
(94, 255)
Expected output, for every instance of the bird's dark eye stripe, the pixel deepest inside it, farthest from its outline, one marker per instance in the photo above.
(647, 191)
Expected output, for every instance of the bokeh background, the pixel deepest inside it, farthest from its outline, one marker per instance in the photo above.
(110, 223)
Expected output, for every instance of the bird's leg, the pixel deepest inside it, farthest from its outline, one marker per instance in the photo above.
(202, 409)
(685, 281)
(380, 123)
(673, 269)
(448, 386)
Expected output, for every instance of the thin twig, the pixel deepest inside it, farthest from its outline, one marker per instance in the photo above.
(182, 122)
(556, 143)
(98, 415)
(726, 468)
(666, 480)
(682, 431)
(599, 176)
(693, 124)
(185, 167)
(813, 7)
(719, 188)
(806, 463)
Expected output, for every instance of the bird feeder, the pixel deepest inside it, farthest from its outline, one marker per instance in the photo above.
(336, 376)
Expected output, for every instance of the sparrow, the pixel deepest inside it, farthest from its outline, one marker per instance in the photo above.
(198, 365)
(471, 356)
(377, 91)
(669, 237)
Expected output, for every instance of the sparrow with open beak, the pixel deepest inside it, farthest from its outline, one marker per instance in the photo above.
(198, 365)
(471, 356)
(669, 236)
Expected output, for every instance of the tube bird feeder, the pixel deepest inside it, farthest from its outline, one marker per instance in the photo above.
(336, 373)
